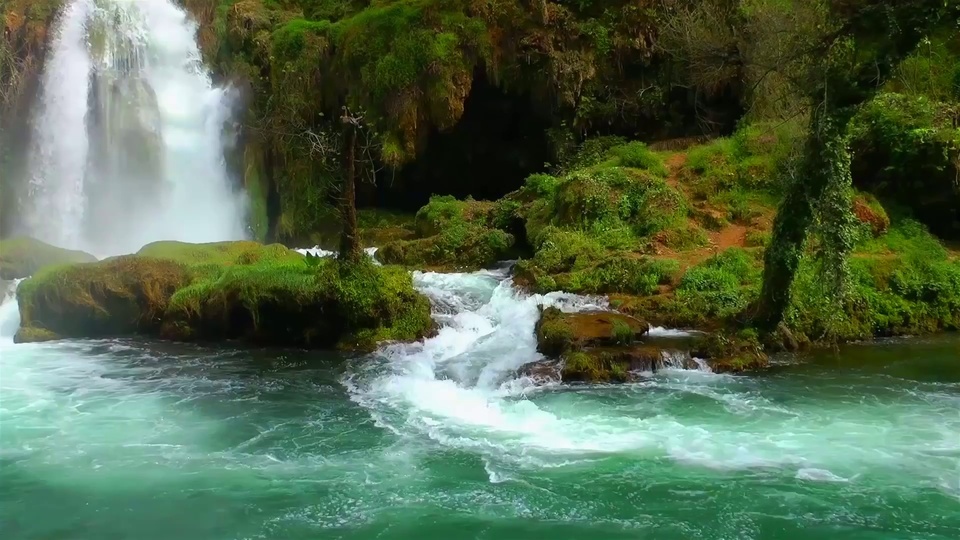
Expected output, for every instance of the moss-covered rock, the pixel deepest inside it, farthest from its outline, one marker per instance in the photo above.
(120, 296)
(330, 305)
(22, 256)
(558, 332)
(229, 290)
(452, 234)
(727, 353)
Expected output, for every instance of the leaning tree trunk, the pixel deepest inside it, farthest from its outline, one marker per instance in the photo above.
(349, 238)
(824, 171)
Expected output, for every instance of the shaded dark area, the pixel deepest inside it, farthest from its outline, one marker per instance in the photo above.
(931, 191)
(500, 140)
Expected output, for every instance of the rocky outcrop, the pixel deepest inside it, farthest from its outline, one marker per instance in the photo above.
(593, 346)
(22, 257)
(231, 290)
(605, 346)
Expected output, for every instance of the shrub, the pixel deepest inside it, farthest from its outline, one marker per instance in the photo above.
(723, 285)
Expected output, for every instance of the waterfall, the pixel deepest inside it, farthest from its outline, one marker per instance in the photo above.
(127, 137)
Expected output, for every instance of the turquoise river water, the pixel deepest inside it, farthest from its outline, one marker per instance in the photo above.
(106, 440)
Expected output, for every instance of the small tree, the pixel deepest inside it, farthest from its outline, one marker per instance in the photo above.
(821, 58)
(350, 249)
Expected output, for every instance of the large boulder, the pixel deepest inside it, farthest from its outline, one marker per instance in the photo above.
(559, 332)
(596, 346)
(121, 296)
(23, 256)
(232, 290)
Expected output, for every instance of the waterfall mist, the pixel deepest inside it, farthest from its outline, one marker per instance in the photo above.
(127, 146)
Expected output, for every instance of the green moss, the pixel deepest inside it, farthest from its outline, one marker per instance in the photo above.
(230, 290)
(452, 234)
(722, 286)
(593, 366)
(114, 297)
(622, 333)
(34, 335)
(580, 366)
(903, 282)
(219, 253)
(446, 211)
(555, 335)
(22, 256)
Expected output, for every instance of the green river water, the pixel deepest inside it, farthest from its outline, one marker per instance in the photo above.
(107, 440)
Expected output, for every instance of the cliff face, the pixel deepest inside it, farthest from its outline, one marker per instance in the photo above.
(457, 97)
(25, 26)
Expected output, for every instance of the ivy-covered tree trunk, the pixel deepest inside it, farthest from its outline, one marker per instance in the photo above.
(823, 172)
(350, 238)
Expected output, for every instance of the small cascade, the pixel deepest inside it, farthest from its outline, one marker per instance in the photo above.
(682, 359)
(9, 311)
(127, 138)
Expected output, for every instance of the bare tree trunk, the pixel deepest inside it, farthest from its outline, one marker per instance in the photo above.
(350, 237)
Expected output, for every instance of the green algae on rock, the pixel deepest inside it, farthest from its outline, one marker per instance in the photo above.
(451, 234)
(120, 296)
(229, 290)
(593, 346)
(23, 256)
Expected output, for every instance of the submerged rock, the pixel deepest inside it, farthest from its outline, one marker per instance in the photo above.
(230, 290)
(23, 256)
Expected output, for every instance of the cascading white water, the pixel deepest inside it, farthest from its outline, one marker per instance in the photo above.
(9, 312)
(127, 139)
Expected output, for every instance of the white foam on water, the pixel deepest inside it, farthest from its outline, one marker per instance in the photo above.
(9, 312)
(317, 251)
(461, 389)
(819, 475)
(660, 331)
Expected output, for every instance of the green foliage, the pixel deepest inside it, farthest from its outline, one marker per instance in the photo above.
(262, 294)
(452, 234)
(622, 333)
(932, 70)
(912, 138)
(903, 282)
(748, 163)
(722, 286)
(22, 256)
(618, 274)
(612, 202)
(558, 250)
(636, 155)
(542, 185)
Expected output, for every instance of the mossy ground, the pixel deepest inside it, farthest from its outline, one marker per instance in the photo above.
(229, 290)
(452, 235)
(22, 256)
(677, 238)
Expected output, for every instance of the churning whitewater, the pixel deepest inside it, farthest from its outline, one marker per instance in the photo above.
(128, 133)
(115, 437)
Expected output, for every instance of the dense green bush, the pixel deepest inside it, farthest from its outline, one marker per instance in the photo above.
(723, 285)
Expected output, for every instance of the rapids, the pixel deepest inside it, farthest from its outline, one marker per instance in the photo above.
(135, 439)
